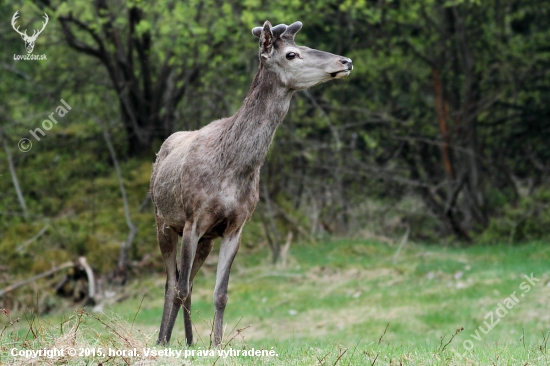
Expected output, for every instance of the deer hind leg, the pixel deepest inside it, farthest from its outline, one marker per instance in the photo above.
(228, 250)
(167, 240)
(203, 250)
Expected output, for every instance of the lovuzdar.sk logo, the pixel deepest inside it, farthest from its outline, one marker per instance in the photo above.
(29, 40)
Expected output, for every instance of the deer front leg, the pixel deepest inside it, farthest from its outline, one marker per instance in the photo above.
(189, 243)
(203, 250)
(167, 240)
(228, 249)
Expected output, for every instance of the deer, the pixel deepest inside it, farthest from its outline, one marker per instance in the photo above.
(29, 41)
(205, 183)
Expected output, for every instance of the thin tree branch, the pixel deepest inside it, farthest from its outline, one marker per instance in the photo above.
(14, 178)
(79, 45)
(123, 257)
(21, 247)
(276, 248)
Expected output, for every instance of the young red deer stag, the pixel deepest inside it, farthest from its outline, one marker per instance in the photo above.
(205, 183)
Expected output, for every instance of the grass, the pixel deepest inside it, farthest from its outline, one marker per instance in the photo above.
(332, 304)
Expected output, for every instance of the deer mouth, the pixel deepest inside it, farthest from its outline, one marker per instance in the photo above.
(340, 74)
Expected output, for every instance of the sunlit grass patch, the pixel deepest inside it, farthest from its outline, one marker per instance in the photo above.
(333, 300)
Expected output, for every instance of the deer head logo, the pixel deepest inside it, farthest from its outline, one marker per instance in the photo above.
(29, 41)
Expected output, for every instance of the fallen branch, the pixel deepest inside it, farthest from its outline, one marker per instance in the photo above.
(90, 274)
(81, 264)
(37, 277)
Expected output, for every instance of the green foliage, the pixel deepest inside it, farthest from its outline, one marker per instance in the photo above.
(526, 220)
(356, 157)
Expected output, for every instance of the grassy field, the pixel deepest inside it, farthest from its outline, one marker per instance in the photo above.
(348, 302)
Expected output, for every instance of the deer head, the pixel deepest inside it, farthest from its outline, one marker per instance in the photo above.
(298, 67)
(29, 41)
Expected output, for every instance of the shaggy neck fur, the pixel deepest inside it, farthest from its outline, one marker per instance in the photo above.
(246, 136)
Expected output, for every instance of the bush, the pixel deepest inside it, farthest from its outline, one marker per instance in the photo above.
(527, 219)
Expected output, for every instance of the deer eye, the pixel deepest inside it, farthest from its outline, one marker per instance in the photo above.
(290, 55)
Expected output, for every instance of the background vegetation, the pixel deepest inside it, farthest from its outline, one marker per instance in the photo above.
(438, 136)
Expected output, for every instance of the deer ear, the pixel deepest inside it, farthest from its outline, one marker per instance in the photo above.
(266, 40)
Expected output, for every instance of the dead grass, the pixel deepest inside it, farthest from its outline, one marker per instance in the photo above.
(76, 333)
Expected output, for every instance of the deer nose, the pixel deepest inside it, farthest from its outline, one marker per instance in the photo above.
(347, 62)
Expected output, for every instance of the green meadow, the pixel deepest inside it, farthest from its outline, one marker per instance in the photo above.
(348, 302)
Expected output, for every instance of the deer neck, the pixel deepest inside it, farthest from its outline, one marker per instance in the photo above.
(250, 131)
